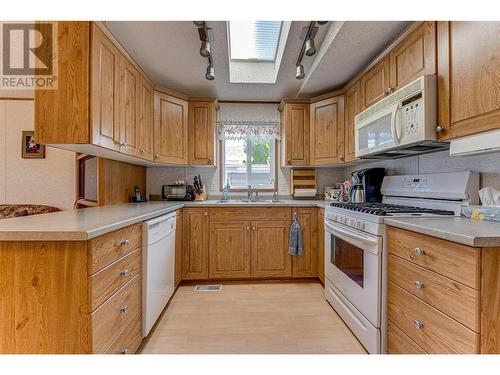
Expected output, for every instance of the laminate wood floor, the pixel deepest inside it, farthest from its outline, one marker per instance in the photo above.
(251, 319)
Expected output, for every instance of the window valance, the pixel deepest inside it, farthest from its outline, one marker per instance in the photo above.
(237, 130)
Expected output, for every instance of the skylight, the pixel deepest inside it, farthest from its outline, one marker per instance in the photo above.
(254, 40)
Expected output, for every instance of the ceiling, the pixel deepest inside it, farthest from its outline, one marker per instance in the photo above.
(168, 51)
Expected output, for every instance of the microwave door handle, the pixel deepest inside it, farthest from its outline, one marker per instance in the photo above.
(393, 124)
(398, 123)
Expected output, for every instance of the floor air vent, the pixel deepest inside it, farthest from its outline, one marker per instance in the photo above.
(208, 288)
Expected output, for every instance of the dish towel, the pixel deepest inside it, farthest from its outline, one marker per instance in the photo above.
(295, 246)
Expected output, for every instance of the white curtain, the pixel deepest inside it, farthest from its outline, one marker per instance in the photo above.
(248, 121)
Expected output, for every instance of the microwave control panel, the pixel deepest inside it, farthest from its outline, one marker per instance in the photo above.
(412, 117)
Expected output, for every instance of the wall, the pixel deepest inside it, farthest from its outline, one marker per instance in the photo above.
(118, 181)
(49, 181)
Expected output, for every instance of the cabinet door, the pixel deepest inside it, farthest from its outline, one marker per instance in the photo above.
(269, 249)
(415, 56)
(321, 244)
(327, 131)
(178, 248)
(375, 83)
(229, 249)
(295, 119)
(468, 72)
(195, 249)
(201, 133)
(129, 107)
(146, 119)
(353, 102)
(171, 129)
(306, 265)
(105, 91)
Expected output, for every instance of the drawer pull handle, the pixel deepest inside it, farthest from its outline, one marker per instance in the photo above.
(124, 273)
(124, 351)
(125, 242)
(419, 251)
(418, 324)
(419, 284)
(124, 309)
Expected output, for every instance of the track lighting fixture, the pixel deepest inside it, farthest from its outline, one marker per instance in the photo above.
(310, 47)
(210, 74)
(299, 74)
(205, 49)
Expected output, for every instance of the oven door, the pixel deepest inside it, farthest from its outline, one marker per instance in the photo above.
(353, 264)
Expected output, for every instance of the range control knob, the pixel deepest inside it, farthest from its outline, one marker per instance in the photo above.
(360, 225)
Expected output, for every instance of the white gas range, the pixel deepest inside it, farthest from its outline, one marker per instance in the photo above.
(355, 245)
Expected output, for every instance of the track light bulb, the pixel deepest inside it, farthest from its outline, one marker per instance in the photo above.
(310, 47)
(210, 74)
(300, 72)
(205, 49)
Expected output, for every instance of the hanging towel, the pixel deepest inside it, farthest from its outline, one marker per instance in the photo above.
(295, 246)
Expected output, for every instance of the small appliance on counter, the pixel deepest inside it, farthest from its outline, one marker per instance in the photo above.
(177, 192)
(137, 197)
(366, 184)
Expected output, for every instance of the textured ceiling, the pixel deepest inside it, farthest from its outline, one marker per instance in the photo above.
(168, 51)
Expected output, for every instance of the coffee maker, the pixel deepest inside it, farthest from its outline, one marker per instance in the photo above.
(366, 184)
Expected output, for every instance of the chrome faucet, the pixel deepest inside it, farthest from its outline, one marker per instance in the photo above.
(275, 197)
(225, 191)
(252, 194)
(249, 193)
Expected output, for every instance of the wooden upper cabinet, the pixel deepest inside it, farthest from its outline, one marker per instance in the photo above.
(295, 137)
(202, 132)
(170, 129)
(105, 91)
(327, 131)
(129, 107)
(414, 57)
(146, 119)
(468, 77)
(352, 106)
(269, 249)
(230, 249)
(306, 265)
(375, 83)
(196, 243)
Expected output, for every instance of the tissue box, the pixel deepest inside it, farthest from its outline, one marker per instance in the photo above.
(489, 213)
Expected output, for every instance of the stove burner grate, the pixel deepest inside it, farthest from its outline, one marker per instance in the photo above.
(384, 209)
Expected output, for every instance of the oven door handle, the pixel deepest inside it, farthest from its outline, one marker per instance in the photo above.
(361, 240)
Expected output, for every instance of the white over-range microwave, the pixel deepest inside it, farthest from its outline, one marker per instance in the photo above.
(402, 124)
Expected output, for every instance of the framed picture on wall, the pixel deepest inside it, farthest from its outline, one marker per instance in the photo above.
(31, 149)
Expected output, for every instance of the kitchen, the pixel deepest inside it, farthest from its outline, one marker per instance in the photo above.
(298, 196)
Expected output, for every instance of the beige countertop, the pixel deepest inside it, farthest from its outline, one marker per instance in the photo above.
(457, 229)
(84, 224)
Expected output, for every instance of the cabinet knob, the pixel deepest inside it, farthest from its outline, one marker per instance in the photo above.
(419, 251)
(125, 242)
(157, 156)
(253, 228)
(124, 351)
(439, 129)
(289, 161)
(209, 160)
(419, 284)
(248, 228)
(206, 213)
(124, 309)
(142, 151)
(418, 324)
(124, 273)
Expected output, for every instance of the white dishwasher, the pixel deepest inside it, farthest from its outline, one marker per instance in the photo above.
(158, 260)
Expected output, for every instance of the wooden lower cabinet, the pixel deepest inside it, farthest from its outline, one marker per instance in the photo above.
(307, 264)
(195, 244)
(321, 244)
(178, 248)
(229, 249)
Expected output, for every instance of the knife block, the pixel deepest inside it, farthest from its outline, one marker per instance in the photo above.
(201, 197)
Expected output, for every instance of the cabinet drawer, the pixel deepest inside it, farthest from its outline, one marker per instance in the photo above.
(129, 339)
(458, 262)
(439, 333)
(110, 318)
(108, 280)
(399, 343)
(454, 299)
(105, 249)
(251, 213)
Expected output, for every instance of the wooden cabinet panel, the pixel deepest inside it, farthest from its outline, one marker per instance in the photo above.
(321, 244)
(105, 249)
(195, 251)
(112, 316)
(375, 83)
(295, 140)
(105, 91)
(178, 248)
(454, 299)
(306, 265)
(230, 249)
(129, 107)
(438, 333)
(353, 104)
(327, 131)
(171, 129)
(415, 56)
(107, 281)
(202, 133)
(269, 249)
(399, 343)
(468, 83)
(129, 340)
(453, 260)
(146, 119)
(251, 213)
